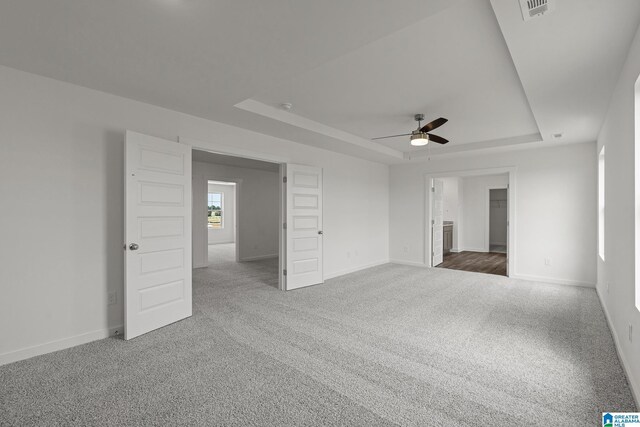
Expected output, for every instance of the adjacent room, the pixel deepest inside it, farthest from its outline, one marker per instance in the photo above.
(474, 229)
(236, 215)
(418, 212)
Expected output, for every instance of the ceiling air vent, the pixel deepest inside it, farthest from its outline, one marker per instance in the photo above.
(536, 8)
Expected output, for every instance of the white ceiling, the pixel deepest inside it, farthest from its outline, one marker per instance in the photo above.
(430, 67)
(353, 70)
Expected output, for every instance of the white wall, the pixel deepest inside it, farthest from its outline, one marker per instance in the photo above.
(61, 146)
(227, 233)
(258, 204)
(498, 215)
(555, 208)
(450, 200)
(452, 196)
(617, 276)
(474, 215)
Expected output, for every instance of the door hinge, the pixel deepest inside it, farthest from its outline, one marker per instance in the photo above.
(433, 189)
(284, 226)
(433, 222)
(284, 272)
(284, 179)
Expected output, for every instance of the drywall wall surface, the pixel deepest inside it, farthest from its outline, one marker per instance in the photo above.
(498, 215)
(62, 186)
(226, 233)
(555, 209)
(452, 196)
(258, 204)
(474, 216)
(618, 275)
(450, 200)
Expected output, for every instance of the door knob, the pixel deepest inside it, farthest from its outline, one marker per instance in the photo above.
(134, 246)
(320, 232)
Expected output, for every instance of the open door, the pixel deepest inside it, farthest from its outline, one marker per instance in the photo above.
(437, 215)
(157, 233)
(304, 226)
(508, 231)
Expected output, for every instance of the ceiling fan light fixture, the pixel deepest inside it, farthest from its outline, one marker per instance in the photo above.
(419, 139)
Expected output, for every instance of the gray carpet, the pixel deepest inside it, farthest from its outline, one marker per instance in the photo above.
(391, 345)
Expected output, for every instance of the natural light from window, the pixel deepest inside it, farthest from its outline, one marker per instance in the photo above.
(601, 204)
(215, 209)
(636, 168)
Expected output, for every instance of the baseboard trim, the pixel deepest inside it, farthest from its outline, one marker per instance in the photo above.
(553, 281)
(64, 343)
(259, 257)
(634, 385)
(473, 250)
(354, 269)
(411, 263)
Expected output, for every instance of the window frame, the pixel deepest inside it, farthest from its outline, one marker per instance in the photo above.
(601, 203)
(210, 211)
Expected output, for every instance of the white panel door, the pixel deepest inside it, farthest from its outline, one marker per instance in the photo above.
(157, 233)
(437, 215)
(508, 230)
(304, 226)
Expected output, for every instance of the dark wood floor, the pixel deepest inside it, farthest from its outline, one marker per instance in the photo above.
(480, 262)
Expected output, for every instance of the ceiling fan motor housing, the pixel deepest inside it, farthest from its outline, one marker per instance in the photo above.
(421, 136)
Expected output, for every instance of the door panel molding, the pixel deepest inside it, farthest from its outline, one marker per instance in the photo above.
(158, 288)
(304, 234)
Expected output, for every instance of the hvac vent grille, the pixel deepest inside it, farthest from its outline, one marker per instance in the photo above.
(535, 8)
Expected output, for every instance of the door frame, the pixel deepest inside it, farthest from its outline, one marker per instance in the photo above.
(236, 232)
(430, 223)
(511, 171)
(230, 150)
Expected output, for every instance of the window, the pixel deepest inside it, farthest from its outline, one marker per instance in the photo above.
(636, 167)
(601, 204)
(215, 209)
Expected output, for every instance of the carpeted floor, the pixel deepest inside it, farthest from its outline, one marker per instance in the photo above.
(391, 345)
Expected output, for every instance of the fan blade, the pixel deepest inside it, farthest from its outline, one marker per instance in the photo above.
(438, 139)
(392, 136)
(433, 125)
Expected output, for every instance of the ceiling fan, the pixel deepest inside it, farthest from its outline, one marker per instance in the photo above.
(420, 136)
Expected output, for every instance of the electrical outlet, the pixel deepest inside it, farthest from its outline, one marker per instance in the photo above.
(630, 332)
(112, 298)
(405, 249)
(547, 261)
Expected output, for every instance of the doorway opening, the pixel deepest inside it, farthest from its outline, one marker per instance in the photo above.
(468, 221)
(221, 221)
(498, 202)
(170, 207)
(236, 217)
